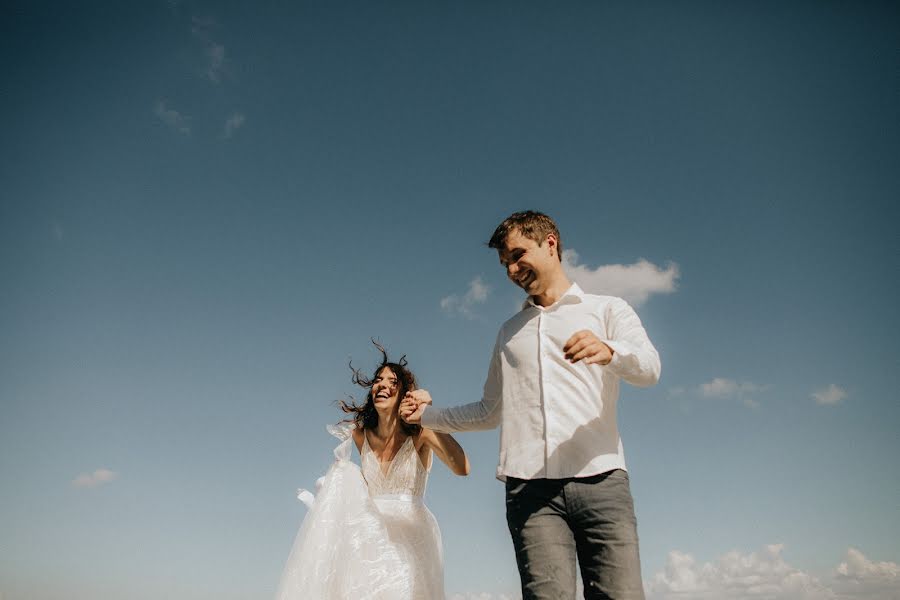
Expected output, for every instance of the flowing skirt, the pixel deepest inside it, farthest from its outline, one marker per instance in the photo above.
(351, 546)
(414, 533)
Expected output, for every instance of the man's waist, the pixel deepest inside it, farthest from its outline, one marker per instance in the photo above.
(559, 468)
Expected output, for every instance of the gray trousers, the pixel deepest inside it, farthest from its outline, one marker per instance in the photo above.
(553, 520)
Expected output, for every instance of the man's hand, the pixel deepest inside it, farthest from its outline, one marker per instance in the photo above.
(586, 346)
(413, 405)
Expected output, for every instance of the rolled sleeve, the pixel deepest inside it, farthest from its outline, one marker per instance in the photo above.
(634, 358)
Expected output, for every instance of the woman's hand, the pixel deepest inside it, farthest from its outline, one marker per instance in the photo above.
(413, 405)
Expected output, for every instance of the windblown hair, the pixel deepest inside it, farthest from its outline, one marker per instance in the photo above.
(534, 225)
(365, 416)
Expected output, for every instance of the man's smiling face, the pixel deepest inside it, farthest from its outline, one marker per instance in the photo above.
(530, 265)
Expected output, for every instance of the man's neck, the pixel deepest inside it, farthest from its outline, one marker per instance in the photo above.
(554, 291)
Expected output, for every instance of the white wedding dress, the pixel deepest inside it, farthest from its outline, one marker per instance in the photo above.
(368, 534)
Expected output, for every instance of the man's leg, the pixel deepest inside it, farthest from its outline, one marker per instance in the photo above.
(601, 512)
(545, 547)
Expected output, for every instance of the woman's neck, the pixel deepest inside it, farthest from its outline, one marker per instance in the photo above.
(387, 425)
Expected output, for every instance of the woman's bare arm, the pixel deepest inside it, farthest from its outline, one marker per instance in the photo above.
(448, 450)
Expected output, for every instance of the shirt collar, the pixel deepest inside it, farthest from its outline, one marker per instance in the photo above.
(573, 295)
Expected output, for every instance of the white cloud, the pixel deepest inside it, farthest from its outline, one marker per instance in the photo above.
(735, 576)
(635, 283)
(763, 575)
(857, 566)
(766, 575)
(232, 124)
(830, 395)
(171, 117)
(477, 293)
(721, 387)
(859, 577)
(98, 477)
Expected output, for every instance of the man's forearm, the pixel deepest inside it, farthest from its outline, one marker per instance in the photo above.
(476, 416)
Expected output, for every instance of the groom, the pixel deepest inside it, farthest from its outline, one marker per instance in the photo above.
(552, 388)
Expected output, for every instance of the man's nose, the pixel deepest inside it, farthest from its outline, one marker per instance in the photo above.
(511, 269)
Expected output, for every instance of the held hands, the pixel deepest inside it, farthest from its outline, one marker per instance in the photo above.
(585, 345)
(413, 405)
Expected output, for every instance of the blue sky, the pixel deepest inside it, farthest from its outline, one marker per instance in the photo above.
(208, 209)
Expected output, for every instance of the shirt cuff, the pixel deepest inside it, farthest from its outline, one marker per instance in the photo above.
(617, 354)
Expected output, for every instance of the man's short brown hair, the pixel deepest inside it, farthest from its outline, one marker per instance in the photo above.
(534, 225)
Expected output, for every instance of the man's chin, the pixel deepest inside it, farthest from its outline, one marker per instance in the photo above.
(525, 285)
(532, 288)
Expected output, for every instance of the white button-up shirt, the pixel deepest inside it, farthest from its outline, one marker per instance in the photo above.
(557, 419)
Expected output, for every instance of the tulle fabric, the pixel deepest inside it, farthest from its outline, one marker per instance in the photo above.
(414, 532)
(353, 546)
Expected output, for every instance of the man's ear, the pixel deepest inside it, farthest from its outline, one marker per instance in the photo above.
(552, 244)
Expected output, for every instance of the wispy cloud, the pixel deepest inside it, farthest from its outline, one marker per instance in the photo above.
(232, 124)
(171, 117)
(720, 387)
(463, 304)
(98, 477)
(830, 395)
(635, 282)
(766, 574)
(202, 29)
(216, 55)
(676, 392)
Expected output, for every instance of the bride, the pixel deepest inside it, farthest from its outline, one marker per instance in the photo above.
(368, 533)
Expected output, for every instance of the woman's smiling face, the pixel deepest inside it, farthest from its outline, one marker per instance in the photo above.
(386, 390)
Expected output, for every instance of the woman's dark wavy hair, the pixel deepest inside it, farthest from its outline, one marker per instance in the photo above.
(365, 416)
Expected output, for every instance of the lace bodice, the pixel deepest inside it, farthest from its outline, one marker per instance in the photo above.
(405, 474)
